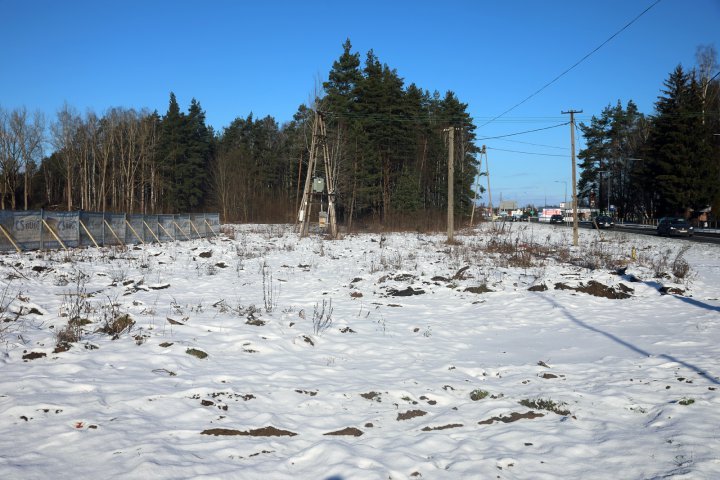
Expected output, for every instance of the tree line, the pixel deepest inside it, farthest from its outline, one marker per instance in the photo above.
(388, 140)
(668, 163)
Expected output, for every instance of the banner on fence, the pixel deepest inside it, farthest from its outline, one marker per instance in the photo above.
(32, 230)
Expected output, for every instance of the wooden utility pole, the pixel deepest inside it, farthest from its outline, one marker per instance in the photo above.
(487, 171)
(451, 184)
(305, 204)
(331, 173)
(472, 212)
(574, 182)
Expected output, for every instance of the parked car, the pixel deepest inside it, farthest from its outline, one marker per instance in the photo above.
(556, 219)
(603, 221)
(671, 226)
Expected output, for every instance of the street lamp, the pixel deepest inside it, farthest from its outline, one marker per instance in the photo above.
(563, 181)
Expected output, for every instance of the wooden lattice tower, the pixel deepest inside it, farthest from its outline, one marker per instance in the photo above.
(319, 145)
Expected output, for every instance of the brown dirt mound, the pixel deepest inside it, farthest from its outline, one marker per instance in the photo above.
(257, 432)
(348, 431)
(442, 427)
(410, 414)
(597, 289)
(513, 417)
(34, 355)
(478, 289)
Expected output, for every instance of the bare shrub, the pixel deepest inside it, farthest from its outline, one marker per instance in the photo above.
(658, 263)
(71, 333)
(117, 325)
(75, 307)
(118, 274)
(228, 231)
(269, 290)
(75, 303)
(7, 321)
(680, 267)
(322, 317)
(114, 322)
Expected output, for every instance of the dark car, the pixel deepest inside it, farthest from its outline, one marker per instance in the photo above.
(603, 221)
(556, 219)
(672, 226)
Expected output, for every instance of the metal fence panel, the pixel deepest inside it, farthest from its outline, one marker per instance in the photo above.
(114, 229)
(166, 228)
(183, 228)
(60, 229)
(135, 229)
(92, 228)
(25, 228)
(30, 230)
(7, 221)
(151, 230)
(212, 221)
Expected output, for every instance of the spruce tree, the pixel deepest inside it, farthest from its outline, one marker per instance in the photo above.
(679, 153)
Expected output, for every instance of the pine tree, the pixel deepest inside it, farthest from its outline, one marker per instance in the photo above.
(679, 149)
(192, 174)
(184, 149)
(607, 163)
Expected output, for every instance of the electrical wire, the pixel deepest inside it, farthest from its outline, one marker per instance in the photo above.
(534, 144)
(521, 133)
(573, 66)
(528, 153)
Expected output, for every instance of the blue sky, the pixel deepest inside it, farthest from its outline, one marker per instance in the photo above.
(237, 57)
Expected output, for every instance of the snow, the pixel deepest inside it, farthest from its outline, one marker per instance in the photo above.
(315, 370)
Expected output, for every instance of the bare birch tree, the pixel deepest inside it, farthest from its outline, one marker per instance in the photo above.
(64, 134)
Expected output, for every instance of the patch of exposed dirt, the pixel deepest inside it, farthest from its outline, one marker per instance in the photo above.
(478, 289)
(410, 414)
(513, 417)
(407, 292)
(403, 277)
(34, 355)
(371, 396)
(442, 427)
(257, 432)
(596, 289)
(348, 431)
(205, 254)
(538, 288)
(307, 392)
(671, 291)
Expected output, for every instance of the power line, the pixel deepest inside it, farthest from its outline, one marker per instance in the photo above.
(521, 133)
(533, 144)
(528, 153)
(572, 67)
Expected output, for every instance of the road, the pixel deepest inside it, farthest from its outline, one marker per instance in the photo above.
(701, 235)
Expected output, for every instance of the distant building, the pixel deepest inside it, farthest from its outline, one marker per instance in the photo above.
(507, 205)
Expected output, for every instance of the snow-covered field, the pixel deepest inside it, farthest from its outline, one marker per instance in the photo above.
(371, 357)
